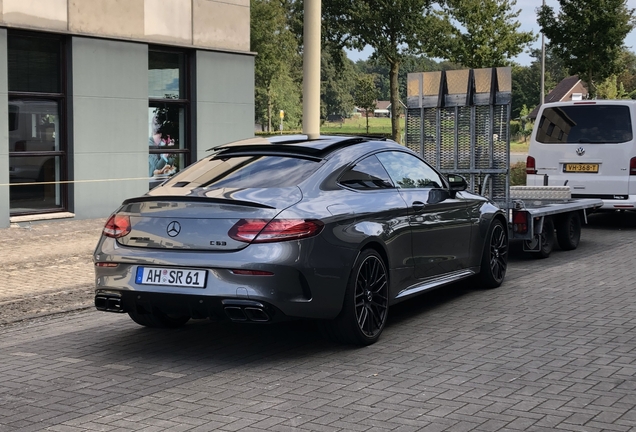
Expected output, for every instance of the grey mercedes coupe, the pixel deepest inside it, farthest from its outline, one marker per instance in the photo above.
(336, 229)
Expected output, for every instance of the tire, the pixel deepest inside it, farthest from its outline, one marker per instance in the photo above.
(366, 304)
(547, 238)
(158, 319)
(568, 231)
(494, 260)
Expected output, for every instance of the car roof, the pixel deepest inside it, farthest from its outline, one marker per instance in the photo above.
(590, 102)
(294, 145)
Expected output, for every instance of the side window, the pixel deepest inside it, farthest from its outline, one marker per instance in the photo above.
(407, 171)
(368, 174)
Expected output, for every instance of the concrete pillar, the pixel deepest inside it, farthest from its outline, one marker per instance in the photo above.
(311, 69)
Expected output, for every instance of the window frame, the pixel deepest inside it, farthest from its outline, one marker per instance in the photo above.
(184, 101)
(354, 164)
(444, 181)
(62, 102)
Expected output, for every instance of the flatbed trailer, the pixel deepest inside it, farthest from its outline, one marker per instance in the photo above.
(459, 122)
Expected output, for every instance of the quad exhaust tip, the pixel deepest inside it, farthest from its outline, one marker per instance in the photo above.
(108, 303)
(245, 311)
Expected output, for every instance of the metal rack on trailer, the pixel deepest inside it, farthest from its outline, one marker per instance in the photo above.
(459, 121)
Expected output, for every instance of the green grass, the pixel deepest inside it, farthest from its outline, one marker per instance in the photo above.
(519, 146)
(358, 125)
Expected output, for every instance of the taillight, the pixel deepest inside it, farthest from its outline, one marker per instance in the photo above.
(263, 231)
(531, 165)
(106, 264)
(632, 166)
(520, 222)
(117, 226)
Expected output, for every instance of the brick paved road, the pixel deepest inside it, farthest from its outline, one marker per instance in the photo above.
(47, 267)
(552, 349)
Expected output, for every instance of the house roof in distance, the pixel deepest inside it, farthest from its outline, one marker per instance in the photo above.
(561, 91)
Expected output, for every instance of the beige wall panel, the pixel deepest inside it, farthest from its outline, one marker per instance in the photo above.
(123, 18)
(222, 24)
(168, 20)
(45, 14)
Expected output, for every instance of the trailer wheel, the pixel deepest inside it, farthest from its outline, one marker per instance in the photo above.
(568, 231)
(547, 238)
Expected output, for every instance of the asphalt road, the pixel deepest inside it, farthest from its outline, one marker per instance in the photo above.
(517, 157)
(553, 349)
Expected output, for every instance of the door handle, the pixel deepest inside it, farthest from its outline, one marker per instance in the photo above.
(417, 205)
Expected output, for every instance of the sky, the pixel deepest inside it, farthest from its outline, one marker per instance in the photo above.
(528, 20)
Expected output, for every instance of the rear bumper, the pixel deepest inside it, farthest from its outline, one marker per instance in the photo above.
(197, 307)
(300, 284)
(629, 203)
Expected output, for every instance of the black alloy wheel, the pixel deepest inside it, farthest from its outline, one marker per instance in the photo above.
(366, 304)
(495, 258)
(371, 296)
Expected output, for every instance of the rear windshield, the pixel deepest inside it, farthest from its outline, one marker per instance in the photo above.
(598, 124)
(257, 172)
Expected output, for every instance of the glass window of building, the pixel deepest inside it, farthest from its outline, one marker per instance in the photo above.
(168, 114)
(37, 140)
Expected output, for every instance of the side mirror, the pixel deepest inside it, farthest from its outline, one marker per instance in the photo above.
(457, 183)
(436, 195)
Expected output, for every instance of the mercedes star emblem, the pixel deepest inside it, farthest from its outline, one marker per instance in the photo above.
(580, 151)
(174, 228)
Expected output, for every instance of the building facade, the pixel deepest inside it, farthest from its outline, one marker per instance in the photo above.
(102, 99)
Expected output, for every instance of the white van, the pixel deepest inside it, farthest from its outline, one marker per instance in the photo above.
(589, 146)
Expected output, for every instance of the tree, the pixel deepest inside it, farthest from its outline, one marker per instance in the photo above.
(365, 95)
(526, 80)
(628, 75)
(611, 89)
(336, 85)
(410, 63)
(392, 28)
(380, 70)
(526, 125)
(526, 88)
(488, 34)
(555, 70)
(588, 35)
(276, 49)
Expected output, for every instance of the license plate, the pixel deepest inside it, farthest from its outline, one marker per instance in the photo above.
(171, 277)
(580, 167)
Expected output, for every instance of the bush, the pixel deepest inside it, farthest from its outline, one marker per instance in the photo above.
(515, 127)
(518, 174)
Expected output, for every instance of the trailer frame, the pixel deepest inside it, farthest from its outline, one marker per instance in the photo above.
(459, 122)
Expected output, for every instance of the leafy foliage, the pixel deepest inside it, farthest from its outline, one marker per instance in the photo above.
(365, 95)
(277, 58)
(488, 34)
(526, 80)
(611, 89)
(393, 29)
(337, 84)
(628, 67)
(526, 87)
(518, 174)
(588, 35)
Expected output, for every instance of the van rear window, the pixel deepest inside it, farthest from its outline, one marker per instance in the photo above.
(598, 124)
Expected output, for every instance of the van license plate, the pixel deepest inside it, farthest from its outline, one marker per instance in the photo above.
(580, 167)
(170, 277)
